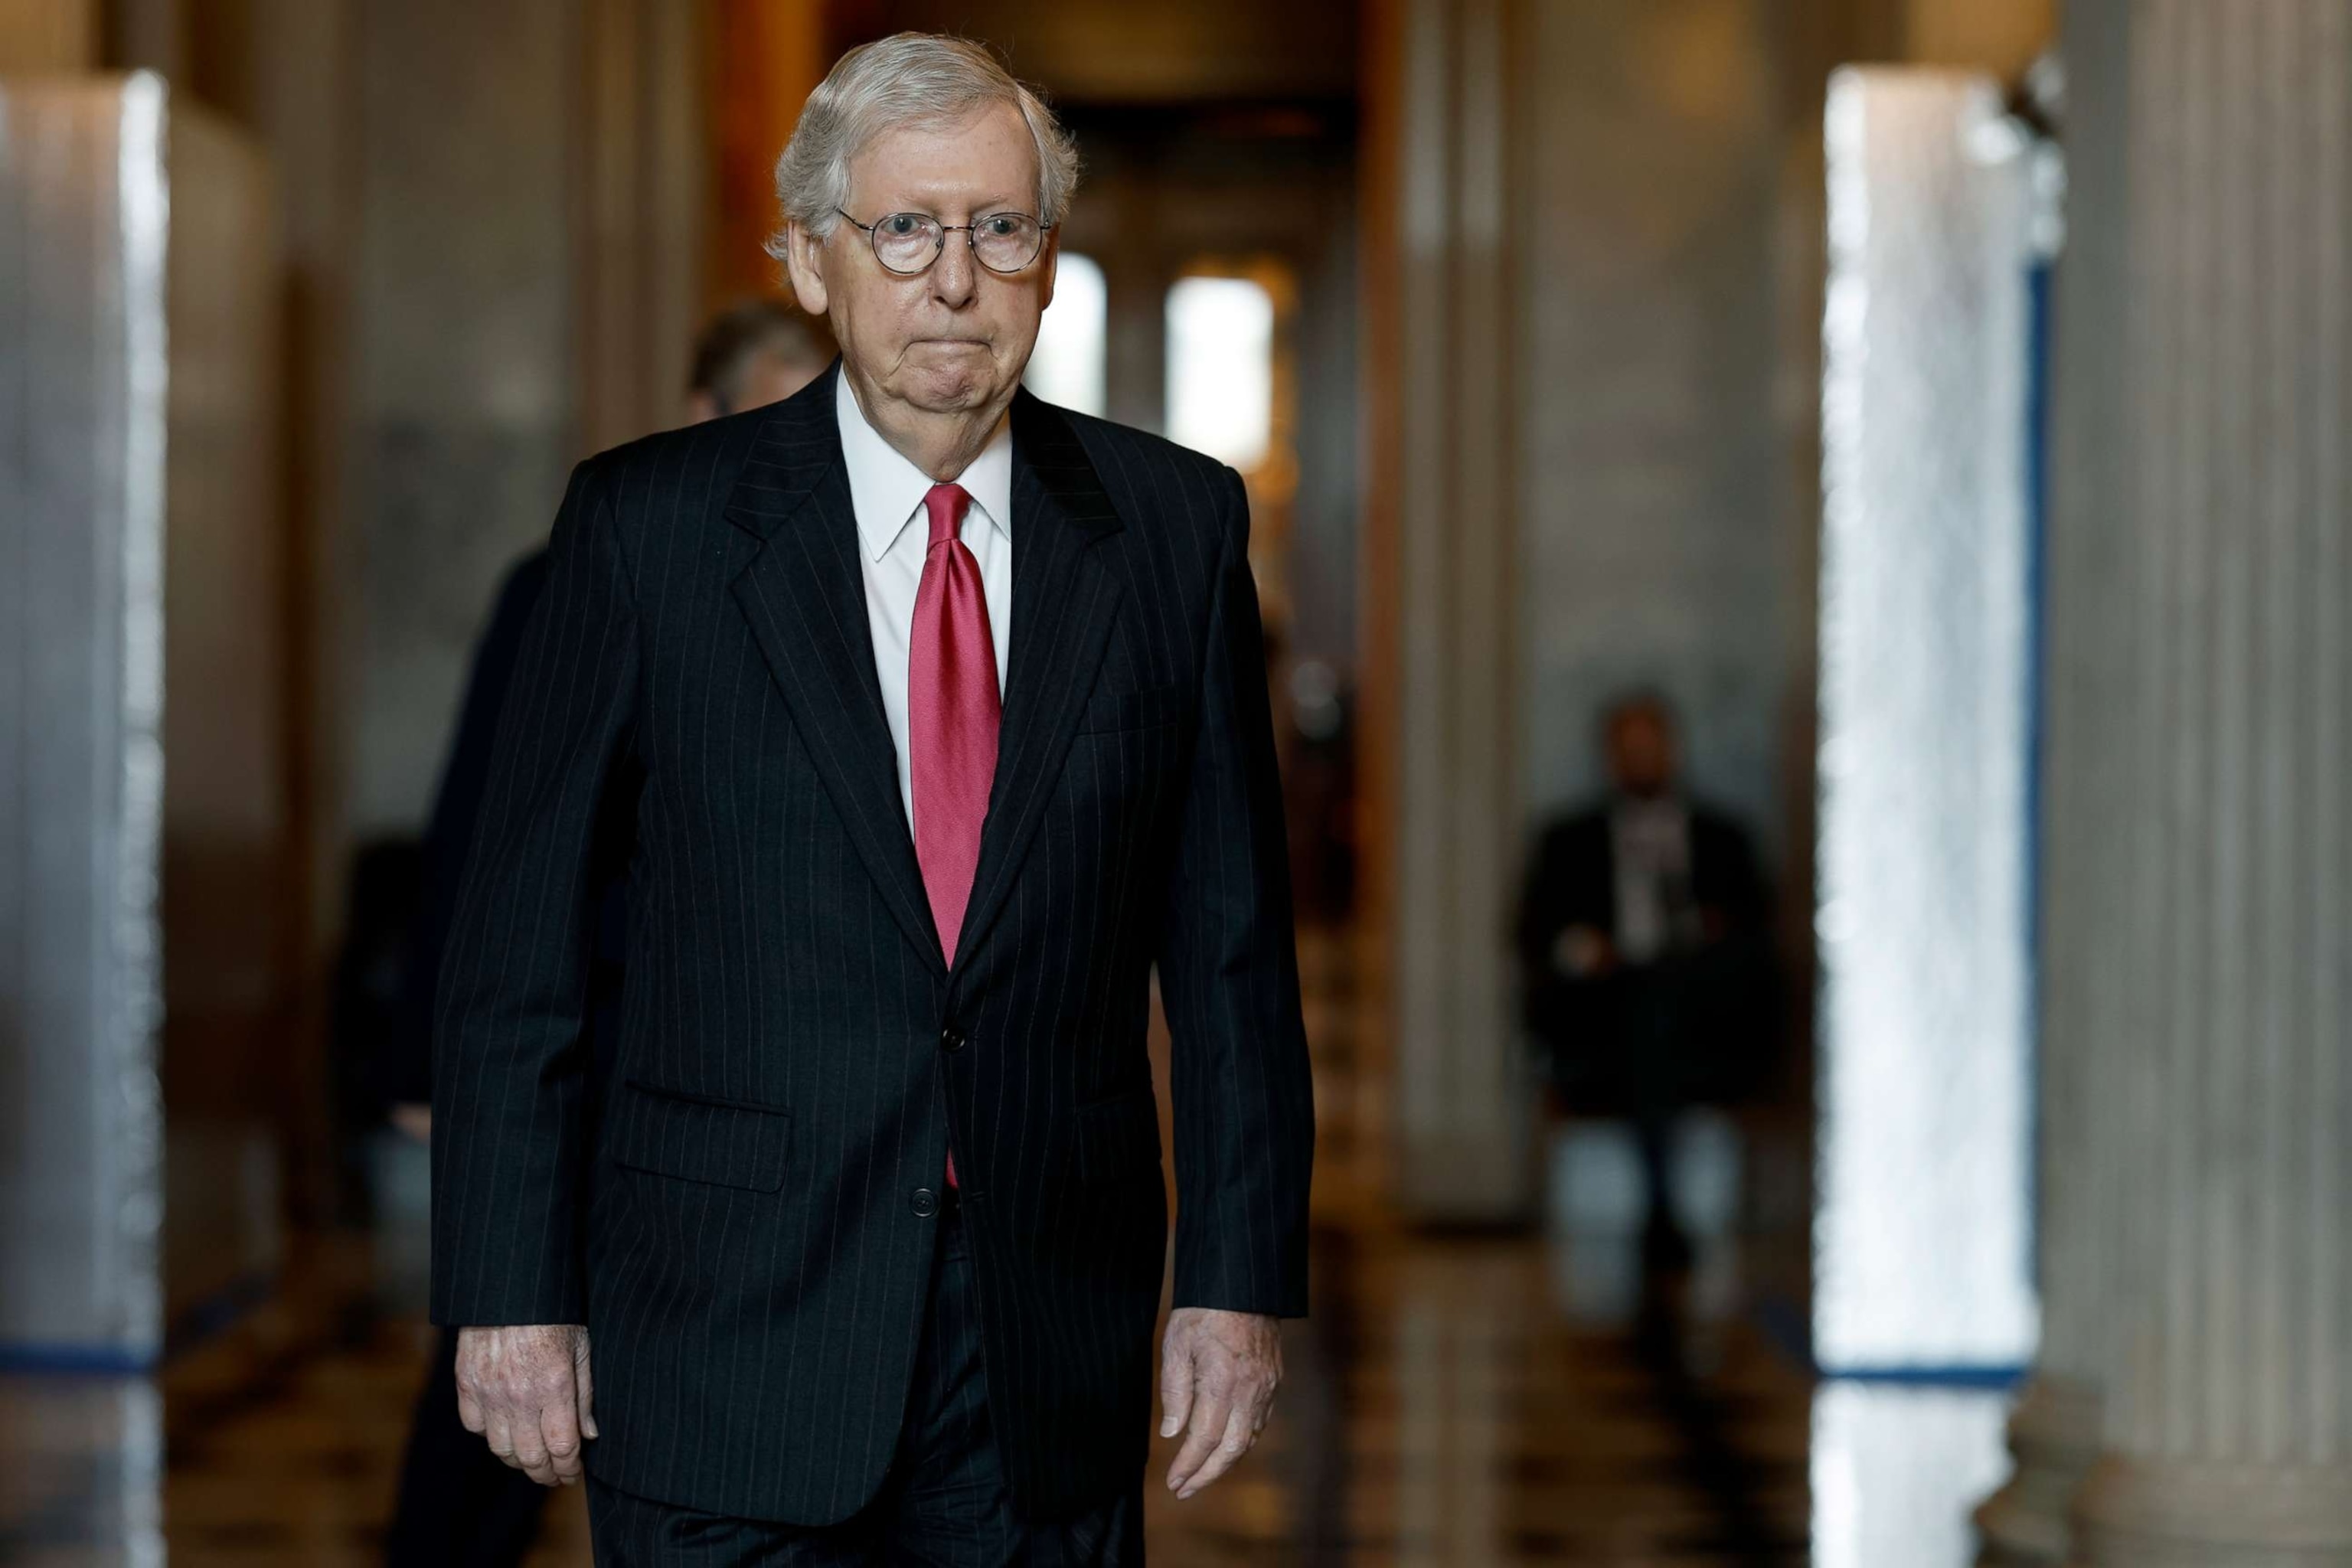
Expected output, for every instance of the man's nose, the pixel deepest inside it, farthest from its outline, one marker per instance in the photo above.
(956, 273)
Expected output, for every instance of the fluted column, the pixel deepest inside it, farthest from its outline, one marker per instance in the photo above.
(2085, 956)
(2200, 780)
(2053, 1439)
(1462, 1122)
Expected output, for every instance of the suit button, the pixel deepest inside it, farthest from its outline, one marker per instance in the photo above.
(926, 1203)
(951, 1038)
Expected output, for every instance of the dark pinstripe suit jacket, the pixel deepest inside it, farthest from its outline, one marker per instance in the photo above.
(749, 1242)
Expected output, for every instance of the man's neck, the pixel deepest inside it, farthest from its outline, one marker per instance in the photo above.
(941, 445)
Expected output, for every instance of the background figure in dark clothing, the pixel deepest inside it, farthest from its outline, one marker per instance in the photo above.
(458, 1503)
(755, 354)
(1646, 971)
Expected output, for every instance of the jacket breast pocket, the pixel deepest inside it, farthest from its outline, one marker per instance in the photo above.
(1118, 1139)
(1108, 712)
(700, 1138)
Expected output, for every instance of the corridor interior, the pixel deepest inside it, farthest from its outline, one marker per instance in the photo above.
(492, 259)
(1457, 1398)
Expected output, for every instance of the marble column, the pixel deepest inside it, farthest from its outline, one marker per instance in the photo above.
(1462, 1121)
(2053, 1439)
(86, 237)
(644, 200)
(2085, 955)
(2200, 736)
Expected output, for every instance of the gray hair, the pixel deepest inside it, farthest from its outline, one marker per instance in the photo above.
(908, 78)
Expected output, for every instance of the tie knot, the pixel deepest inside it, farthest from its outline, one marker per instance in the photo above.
(946, 504)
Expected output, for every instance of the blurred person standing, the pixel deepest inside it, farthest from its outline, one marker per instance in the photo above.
(942, 716)
(755, 354)
(1641, 949)
(457, 1503)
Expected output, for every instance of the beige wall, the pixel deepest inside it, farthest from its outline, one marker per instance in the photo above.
(1100, 51)
(526, 283)
(1998, 36)
(45, 37)
(239, 1082)
(765, 55)
(642, 141)
(465, 392)
(1647, 465)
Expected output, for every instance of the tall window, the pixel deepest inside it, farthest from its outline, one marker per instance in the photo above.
(1221, 368)
(1067, 366)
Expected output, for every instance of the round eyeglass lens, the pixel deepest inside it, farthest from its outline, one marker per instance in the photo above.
(1007, 242)
(906, 242)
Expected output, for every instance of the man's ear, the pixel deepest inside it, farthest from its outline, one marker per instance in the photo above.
(805, 263)
(1053, 254)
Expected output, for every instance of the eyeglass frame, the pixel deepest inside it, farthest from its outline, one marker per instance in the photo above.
(874, 240)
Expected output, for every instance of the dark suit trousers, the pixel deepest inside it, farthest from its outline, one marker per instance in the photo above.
(943, 1505)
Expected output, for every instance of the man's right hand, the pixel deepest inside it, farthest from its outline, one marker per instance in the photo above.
(527, 1390)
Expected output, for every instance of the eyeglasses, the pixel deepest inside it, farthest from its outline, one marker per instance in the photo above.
(906, 242)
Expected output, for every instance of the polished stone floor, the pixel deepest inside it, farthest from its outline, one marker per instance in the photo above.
(1456, 1400)
(1446, 1408)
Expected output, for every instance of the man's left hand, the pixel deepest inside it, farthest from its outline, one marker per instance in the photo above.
(1218, 1371)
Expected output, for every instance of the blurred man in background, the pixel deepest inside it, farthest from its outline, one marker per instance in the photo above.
(458, 1504)
(758, 353)
(1641, 943)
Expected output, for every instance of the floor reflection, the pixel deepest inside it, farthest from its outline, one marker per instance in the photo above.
(1457, 1401)
(81, 1459)
(1510, 1400)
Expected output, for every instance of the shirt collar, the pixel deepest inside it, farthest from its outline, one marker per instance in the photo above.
(1654, 813)
(886, 490)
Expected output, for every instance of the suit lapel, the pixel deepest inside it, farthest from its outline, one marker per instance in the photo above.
(805, 601)
(1063, 606)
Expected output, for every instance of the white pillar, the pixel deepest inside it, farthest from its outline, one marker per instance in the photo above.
(2201, 705)
(1463, 1109)
(85, 185)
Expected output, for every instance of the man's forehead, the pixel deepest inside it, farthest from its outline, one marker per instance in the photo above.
(986, 157)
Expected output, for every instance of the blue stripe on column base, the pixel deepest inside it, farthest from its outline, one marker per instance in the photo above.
(202, 1319)
(76, 1360)
(1788, 1330)
(1995, 1379)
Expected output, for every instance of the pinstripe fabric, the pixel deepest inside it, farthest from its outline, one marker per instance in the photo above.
(747, 1244)
(944, 1504)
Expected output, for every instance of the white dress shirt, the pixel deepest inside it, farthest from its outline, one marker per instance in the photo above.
(1650, 846)
(894, 532)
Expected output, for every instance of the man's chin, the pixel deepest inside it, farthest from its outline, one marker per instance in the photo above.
(948, 390)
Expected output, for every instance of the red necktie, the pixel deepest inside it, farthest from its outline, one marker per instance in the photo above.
(953, 712)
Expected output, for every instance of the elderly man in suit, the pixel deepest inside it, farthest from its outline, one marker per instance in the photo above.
(936, 717)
